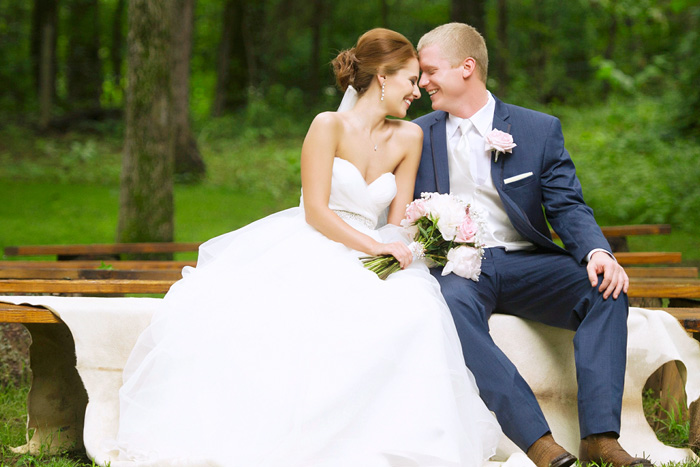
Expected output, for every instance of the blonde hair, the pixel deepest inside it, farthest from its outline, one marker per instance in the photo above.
(377, 51)
(459, 41)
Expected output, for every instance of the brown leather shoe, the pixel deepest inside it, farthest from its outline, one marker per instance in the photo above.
(545, 452)
(604, 448)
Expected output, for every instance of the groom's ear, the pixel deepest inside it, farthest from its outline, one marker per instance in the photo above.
(468, 67)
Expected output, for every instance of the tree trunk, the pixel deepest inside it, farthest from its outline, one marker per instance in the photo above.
(231, 69)
(314, 65)
(84, 70)
(472, 12)
(43, 52)
(252, 30)
(188, 161)
(117, 54)
(502, 58)
(146, 198)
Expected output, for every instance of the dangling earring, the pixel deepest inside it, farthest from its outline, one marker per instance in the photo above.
(382, 98)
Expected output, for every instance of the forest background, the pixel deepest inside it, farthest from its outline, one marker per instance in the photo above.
(158, 120)
(84, 83)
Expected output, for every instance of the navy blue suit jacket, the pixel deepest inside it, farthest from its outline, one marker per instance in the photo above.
(553, 193)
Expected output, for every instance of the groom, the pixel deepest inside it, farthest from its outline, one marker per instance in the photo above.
(524, 273)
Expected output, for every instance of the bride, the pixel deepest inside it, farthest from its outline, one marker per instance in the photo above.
(281, 349)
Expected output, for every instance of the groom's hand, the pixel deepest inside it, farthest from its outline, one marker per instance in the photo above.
(615, 278)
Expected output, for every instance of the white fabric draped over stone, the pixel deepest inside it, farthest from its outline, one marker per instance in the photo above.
(99, 333)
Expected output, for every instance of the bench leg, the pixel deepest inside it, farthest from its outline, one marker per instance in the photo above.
(57, 399)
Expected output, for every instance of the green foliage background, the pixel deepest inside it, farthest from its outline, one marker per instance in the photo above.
(621, 74)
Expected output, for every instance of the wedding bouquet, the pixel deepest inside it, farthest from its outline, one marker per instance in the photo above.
(445, 232)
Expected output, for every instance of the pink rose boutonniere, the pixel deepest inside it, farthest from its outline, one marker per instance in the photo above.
(500, 142)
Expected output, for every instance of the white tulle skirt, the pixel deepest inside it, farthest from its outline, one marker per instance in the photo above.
(280, 349)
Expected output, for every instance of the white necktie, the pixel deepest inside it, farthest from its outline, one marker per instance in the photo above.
(464, 150)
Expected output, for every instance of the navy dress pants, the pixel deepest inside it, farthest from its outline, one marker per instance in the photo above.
(553, 289)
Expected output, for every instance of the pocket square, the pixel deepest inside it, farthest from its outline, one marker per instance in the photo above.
(515, 178)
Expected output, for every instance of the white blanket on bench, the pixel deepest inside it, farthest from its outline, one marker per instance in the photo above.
(105, 329)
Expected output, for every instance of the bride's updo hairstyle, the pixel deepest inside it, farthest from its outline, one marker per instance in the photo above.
(378, 51)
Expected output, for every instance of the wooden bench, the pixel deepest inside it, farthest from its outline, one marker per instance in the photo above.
(624, 258)
(171, 270)
(689, 318)
(639, 286)
(101, 250)
(617, 234)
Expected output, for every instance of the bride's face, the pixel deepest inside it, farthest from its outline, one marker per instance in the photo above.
(401, 89)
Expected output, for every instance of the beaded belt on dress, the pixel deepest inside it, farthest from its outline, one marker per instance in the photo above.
(348, 217)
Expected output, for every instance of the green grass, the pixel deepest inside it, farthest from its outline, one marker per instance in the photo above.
(13, 419)
(674, 432)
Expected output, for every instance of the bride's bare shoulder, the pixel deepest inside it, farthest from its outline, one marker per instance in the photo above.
(328, 119)
(409, 131)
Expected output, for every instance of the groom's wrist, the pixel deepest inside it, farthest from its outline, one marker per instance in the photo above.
(596, 250)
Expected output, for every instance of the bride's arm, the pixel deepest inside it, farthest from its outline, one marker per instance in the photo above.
(317, 156)
(411, 138)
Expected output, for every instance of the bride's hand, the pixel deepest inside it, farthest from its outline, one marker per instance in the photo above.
(398, 250)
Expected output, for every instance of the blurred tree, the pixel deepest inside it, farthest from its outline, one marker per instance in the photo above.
(43, 54)
(687, 62)
(231, 66)
(188, 161)
(317, 21)
(501, 59)
(83, 67)
(472, 12)
(253, 32)
(116, 52)
(146, 205)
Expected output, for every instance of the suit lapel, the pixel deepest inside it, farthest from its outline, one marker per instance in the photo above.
(501, 122)
(438, 144)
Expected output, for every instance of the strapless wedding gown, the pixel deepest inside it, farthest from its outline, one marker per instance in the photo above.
(281, 350)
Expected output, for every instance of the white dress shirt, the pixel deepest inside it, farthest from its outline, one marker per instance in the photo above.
(470, 178)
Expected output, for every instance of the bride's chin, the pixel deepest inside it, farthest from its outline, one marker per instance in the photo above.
(399, 114)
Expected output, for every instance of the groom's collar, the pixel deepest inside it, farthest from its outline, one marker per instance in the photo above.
(482, 118)
(500, 114)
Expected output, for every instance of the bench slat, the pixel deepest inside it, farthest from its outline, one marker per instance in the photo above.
(63, 273)
(25, 314)
(648, 257)
(92, 264)
(84, 286)
(102, 249)
(626, 230)
(660, 271)
(50, 272)
(639, 287)
(689, 318)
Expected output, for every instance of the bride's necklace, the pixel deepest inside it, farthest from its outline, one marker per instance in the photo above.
(371, 140)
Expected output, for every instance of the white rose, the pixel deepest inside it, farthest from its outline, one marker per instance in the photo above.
(449, 211)
(464, 261)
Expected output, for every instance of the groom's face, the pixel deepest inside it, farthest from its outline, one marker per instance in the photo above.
(443, 82)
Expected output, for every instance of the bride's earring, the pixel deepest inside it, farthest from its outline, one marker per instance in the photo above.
(383, 84)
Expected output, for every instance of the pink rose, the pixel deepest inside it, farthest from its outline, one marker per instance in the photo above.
(415, 211)
(499, 141)
(466, 232)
